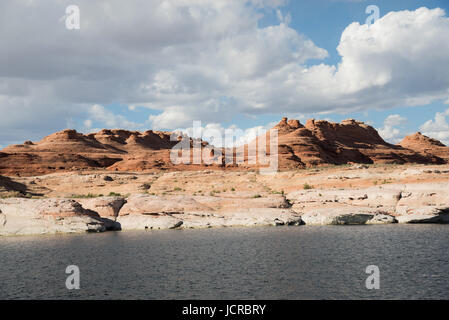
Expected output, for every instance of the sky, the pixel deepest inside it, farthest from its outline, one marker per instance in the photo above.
(161, 65)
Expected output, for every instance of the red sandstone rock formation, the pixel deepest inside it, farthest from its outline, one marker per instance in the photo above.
(322, 142)
(318, 142)
(425, 145)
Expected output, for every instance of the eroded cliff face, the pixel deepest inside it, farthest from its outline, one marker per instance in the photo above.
(69, 150)
(322, 142)
(318, 142)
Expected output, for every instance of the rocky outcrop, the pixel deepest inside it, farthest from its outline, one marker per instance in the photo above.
(318, 142)
(152, 205)
(322, 142)
(46, 216)
(106, 207)
(245, 218)
(153, 212)
(428, 214)
(426, 145)
(70, 150)
(346, 216)
(387, 203)
(408, 203)
(8, 186)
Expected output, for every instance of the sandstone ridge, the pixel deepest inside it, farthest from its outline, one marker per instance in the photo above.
(316, 143)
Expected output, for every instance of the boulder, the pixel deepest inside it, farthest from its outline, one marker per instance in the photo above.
(106, 207)
(149, 204)
(45, 216)
(346, 216)
(150, 222)
(426, 214)
(368, 197)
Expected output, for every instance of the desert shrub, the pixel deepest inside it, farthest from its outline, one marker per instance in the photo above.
(307, 186)
(85, 196)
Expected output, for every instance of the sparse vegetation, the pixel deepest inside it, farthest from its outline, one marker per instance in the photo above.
(257, 196)
(232, 189)
(85, 196)
(114, 194)
(12, 194)
(177, 189)
(307, 186)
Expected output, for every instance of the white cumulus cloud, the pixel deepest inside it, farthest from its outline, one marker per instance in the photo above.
(220, 136)
(438, 128)
(391, 131)
(204, 60)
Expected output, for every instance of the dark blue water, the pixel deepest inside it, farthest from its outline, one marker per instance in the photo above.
(303, 262)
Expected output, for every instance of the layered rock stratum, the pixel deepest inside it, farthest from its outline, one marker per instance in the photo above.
(316, 143)
(329, 173)
(425, 145)
(321, 142)
(337, 195)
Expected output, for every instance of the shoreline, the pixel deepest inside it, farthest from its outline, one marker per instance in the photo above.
(349, 195)
(155, 231)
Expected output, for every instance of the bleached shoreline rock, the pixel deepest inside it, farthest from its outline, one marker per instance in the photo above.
(406, 203)
(46, 216)
(402, 203)
(107, 207)
(153, 212)
(346, 216)
(427, 214)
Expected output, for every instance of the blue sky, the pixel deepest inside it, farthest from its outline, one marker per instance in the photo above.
(165, 64)
(323, 21)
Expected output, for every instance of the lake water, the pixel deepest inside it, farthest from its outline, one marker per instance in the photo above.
(306, 262)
